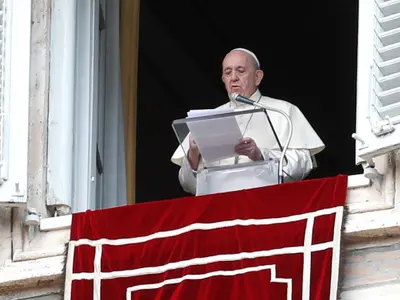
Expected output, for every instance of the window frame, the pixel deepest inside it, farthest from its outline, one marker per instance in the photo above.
(114, 181)
(61, 103)
(86, 103)
(73, 181)
(73, 105)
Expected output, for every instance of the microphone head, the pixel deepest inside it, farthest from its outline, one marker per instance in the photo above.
(233, 96)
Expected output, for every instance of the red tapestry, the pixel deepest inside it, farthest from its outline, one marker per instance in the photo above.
(272, 243)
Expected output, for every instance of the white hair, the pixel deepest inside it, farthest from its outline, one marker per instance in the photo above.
(248, 52)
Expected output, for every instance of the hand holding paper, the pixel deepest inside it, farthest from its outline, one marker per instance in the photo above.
(248, 147)
(194, 153)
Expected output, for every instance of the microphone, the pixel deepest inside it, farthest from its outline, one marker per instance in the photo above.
(240, 98)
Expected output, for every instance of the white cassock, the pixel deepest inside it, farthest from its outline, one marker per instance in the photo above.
(305, 142)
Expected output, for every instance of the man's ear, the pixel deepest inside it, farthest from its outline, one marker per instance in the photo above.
(259, 76)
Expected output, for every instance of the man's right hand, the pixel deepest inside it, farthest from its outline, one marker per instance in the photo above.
(194, 154)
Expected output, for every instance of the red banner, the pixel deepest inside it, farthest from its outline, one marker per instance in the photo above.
(277, 242)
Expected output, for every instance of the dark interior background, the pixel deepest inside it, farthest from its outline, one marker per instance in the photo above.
(307, 50)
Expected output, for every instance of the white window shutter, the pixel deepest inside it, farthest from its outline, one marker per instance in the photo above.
(15, 34)
(378, 87)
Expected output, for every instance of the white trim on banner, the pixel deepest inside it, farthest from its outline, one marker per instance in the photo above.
(306, 249)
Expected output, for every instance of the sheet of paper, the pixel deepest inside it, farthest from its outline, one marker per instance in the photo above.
(208, 112)
(217, 137)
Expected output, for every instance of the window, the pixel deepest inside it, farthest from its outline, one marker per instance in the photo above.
(15, 29)
(78, 178)
(75, 181)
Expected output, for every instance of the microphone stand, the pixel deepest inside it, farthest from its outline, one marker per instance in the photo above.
(286, 116)
(274, 132)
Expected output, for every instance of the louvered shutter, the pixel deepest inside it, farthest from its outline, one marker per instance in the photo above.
(378, 90)
(15, 32)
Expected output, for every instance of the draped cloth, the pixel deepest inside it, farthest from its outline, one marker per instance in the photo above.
(276, 242)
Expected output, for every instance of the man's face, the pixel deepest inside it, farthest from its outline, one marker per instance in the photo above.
(239, 74)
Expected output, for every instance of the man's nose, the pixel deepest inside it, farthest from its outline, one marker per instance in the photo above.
(234, 75)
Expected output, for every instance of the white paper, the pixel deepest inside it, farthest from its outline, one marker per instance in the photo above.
(217, 137)
(208, 112)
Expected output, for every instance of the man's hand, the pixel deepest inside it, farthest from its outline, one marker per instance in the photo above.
(249, 148)
(194, 154)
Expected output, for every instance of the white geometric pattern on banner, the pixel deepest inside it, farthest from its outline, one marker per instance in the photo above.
(306, 249)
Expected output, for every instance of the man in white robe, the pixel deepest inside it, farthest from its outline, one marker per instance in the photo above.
(241, 74)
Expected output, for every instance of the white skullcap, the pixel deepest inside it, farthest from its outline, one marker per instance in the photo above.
(248, 52)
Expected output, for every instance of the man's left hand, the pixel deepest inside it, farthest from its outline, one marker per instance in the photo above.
(249, 148)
